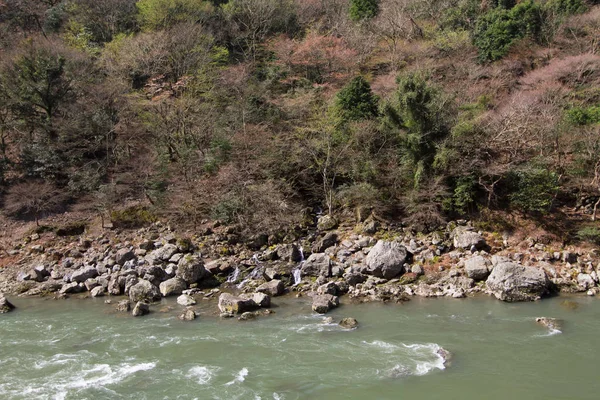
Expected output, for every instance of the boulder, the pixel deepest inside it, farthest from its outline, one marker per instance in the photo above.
(116, 286)
(467, 239)
(188, 315)
(261, 299)
(98, 291)
(124, 306)
(5, 305)
(172, 287)
(72, 287)
(186, 300)
(513, 282)
(349, 323)
(330, 239)
(162, 254)
(144, 291)
(124, 255)
(585, 281)
(272, 288)
(386, 260)
(318, 264)
(231, 304)
(326, 222)
(477, 268)
(83, 274)
(324, 302)
(328, 288)
(140, 309)
(190, 269)
(289, 252)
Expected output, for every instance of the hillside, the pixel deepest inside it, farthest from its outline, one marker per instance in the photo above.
(264, 113)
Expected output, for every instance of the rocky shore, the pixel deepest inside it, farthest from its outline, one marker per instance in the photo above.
(364, 263)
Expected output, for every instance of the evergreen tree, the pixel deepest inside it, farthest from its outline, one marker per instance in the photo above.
(363, 9)
(356, 101)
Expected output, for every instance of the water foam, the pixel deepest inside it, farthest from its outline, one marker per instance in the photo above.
(421, 359)
(240, 377)
(202, 374)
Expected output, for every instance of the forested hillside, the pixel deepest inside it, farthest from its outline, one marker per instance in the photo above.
(259, 113)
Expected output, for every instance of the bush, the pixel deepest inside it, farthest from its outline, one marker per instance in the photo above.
(590, 234)
(363, 9)
(496, 31)
(132, 217)
(533, 190)
(584, 116)
(565, 7)
(161, 14)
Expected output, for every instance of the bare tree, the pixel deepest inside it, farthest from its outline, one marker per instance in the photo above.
(33, 198)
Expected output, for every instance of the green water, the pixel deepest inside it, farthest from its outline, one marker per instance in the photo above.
(80, 349)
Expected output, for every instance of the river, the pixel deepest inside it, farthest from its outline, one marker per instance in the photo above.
(80, 349)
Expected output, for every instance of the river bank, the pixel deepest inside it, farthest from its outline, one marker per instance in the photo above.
(82, 349)
(363, 263)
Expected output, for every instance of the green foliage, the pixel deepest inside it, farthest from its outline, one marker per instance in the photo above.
(589, 234)
(496, 31)
(533, 190)
(584, 116)
(132, 217)
(228, 209)
(161, 14)
(418, 115)
(356, 101)
(363, 9)
(462, 16)
(464, 195)
(565, 7)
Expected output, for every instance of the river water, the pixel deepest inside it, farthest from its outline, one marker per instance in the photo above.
(80, 349)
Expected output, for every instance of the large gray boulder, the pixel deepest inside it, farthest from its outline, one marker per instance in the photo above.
(231, 304)
(386, 260)
(5, 305)
(172, 287)
(467, 239)
(190, 269)
(289, 252)
(272, 288)
(477, 268)
(318, 264)
(144, 291)
(83, 274)
(324, 302)
(124, 255)
(514, 282)
(162, 254)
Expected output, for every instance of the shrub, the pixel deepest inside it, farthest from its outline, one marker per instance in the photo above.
(363, 9)
(160, 14)
(590, 234)
(584, 116)
(533, 190)
(496, 31)
(132, 217)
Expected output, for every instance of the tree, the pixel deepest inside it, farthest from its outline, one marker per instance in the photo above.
(356, 101)
(33, 198)
(363, 9)
(418, 117)
(163, 14)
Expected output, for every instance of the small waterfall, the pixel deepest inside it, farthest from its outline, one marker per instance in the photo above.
(297, 272)
(233, 277)
(255, 274)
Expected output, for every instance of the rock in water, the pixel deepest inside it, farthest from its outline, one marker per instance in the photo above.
(144, 291)
(188, 315)
(191, 269)
(386, 260)
(349, 323)
(324, 302)
(97, 291)
(272, 288)
(551, 323)
(186, 300)
(83, 274)
(513, 282)
(124, 306)
(261, 299)
(140, 309)
(230, 304)
(5, 305)
(172, 287)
